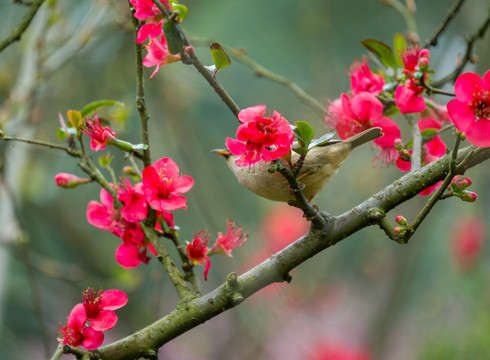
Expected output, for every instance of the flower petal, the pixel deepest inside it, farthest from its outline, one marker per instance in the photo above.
(466, 85)
(105, 320)
(183, 184)
(113, 299)
(236, 147)
(127, 255)
(251, 113)
(77, 317)
(479, 133)
(461, 114)
(92, 338)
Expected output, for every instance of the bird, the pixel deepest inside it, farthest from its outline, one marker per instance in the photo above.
(320, 165)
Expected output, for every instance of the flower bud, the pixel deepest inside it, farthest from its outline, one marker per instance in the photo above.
(468, 196)
(69, 181)
(401, 220)
(464, 183)
(398, 144)
(424, 60)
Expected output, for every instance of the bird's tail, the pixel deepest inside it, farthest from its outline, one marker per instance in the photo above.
(364, 137)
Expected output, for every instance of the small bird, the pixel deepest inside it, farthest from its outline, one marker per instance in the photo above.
(321, 164)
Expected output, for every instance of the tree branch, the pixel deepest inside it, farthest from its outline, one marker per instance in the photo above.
(433, 39)
(190, 314)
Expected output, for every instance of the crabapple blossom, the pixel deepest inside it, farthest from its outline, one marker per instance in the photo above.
(197, 251)
(158, 55)
(362, 79)
(76, 333)
(99, 307)
(101, 136)
(231, 240)
(260, 138)
(162, 185)
(470, 111)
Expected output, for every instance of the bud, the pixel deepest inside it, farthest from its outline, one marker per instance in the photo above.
(69, 181)
(405, 155)
(401, 220)
(468, 196)
(464, 183)
(424, 60)
(398, 144)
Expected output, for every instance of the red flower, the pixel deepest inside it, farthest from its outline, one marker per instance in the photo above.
(101, 136)
(158, 55)
(147, 10)
(231, 240)
(69, 181)
(135, 206)
(99, 307)
(162, 185)
(75, 333)
(151, 30)
(260, 138)
(197, 251)
(468, 238)
(362, 78)
(470, 111)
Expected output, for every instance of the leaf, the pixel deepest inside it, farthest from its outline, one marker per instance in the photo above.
(105, 160)
(220, 57)
(300, 150)
(75, 118)
(321, 140)
(304, 132)
(91, 107)
(399, 44)
(174, 36)
(182, 9)
(60, 134)
(381, 50)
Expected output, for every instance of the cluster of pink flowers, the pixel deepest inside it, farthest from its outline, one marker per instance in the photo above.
(158, 53)
(161, 189)
(362, 109)
(260, 138)
(89, 319)
(198, 251)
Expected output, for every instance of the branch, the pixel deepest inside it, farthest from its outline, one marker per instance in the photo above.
(433, 39)
(276, 268)
(68, 150)
(479, 34)
(23, 25)
(259, 70)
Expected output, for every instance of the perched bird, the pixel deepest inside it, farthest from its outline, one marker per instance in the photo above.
(320, 165)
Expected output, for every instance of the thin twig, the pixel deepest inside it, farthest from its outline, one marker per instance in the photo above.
(479, 34)
(47, 144)
(434, 38)
(23, 25)
(260, 70)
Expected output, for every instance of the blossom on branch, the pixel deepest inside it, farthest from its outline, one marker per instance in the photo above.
(231, 240)
(99, 307)
(76, 334)
(69, 181)
(158, 54)
(198, 249)
(470, 111)
(362, 79)
(163, 184)
(260, 138)
(101, 136)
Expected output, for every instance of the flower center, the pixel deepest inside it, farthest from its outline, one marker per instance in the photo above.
(92, 302)
(481, 105)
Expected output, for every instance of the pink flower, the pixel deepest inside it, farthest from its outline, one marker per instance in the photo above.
(407, 96)
(104, 216)
(468, 238)
(362, 79)
(76, 334)
(260, 138)
(69, 181)
(135, 206)
(99, 307)
(231, 240)
(158, 54)
(162, 185)
(470, 111)
(364, 111)
(197, 251)
(101, 136)
(147, 10)
(150, 30)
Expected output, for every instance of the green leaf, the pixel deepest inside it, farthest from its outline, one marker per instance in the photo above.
(300, 150)
(60, 134)
(399, 44)
(175, 38)
(321, 140)
(381, 50)
(182, 9)
(304, 132)
(220, 57)
(91, 107)
(75, 118)
(391, 111)
(105, 160)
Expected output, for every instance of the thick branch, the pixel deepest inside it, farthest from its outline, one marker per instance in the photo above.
(190, 314)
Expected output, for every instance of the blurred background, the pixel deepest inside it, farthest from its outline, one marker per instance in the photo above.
(366, 298)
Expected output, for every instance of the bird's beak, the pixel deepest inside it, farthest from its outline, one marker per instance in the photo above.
(222, 152)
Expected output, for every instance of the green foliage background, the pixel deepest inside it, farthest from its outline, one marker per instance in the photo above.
(401, 302)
